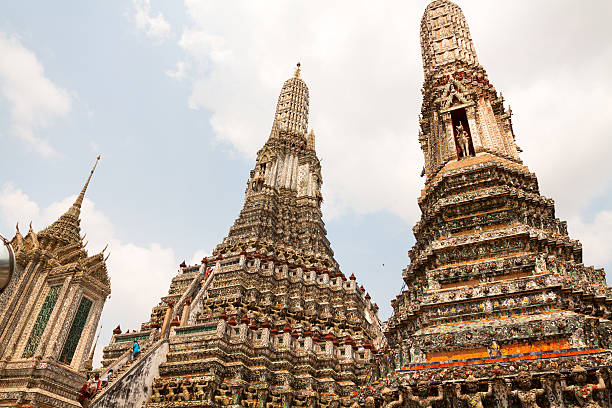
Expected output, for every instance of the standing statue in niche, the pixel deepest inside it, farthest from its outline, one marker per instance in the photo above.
(463, 138)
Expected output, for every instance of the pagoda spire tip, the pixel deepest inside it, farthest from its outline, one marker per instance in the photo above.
(81, 197)
(297, 70)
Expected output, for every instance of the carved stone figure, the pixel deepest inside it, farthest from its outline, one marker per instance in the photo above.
(422, 398)
(583, 391)
(463, 138)
(388, 401)
(473, 398)
(525, 394)
(185, 395)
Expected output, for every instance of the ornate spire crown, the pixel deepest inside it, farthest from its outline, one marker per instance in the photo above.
(462, 115)
(67, 227)
(292, 106)
(445, 36)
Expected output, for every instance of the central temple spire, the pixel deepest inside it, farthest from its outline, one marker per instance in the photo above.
(283, 198)
(292, 106)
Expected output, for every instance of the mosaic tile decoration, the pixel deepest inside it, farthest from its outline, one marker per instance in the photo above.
(41, 321)
(74, 336)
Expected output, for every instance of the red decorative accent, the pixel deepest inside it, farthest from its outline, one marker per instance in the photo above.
(205, 261)
(352, 277)
(295, 335)
(232, 321)
(243, 252)
(287, 328)
(308, 333)
(175, 322)
(266, 324)
(117, 330)
(274, 331)
(183, 264)
(329, 336)
(188, 301)
(219, 257)
(244, 319)
(223, 315)
(253, 325)
(362, 288)
(171, 303)
(375, 306)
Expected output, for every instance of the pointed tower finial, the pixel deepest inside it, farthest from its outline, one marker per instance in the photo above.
(67, 227)
(79, 201)
(297, 70)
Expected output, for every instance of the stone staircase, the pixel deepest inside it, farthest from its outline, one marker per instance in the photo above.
(127, 386)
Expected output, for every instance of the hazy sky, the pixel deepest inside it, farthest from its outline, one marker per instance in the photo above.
(178, 97)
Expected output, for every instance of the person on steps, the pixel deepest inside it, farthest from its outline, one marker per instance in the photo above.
(135, 349)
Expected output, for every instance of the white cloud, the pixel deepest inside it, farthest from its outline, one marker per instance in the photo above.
(153, 24)
(140, 275)
(596, 237)
(34, 99)
(179, 71)
(197, 256)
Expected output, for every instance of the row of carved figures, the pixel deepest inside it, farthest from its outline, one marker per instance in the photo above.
(553, 390)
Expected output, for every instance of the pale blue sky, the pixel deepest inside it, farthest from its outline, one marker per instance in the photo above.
(178, 97)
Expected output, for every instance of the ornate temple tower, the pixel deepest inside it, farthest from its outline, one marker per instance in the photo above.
(269, 320)
(49, 313)
(495, 284)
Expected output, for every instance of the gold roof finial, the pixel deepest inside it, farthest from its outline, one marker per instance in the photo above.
(297, 70)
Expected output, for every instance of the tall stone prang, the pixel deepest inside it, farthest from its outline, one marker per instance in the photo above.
(495, 284)
(268, 320)
(49, 313)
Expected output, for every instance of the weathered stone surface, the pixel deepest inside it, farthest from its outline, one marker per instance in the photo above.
(134, 386)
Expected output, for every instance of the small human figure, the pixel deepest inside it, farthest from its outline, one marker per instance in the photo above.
(582, 390)
(83, 394)
(463, 139)
(89, 389)
(107, 378)
(473, 398)
(135, 349)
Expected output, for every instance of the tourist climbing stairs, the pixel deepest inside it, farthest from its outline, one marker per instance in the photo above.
(121, 366)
